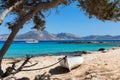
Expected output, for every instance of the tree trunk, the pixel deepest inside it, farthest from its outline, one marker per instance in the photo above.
(6, 46)
(21, 22)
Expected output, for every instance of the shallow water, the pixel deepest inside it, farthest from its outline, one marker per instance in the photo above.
(21, 48)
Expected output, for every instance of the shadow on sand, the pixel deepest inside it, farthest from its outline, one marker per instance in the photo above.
(58, 70)
(23, 78)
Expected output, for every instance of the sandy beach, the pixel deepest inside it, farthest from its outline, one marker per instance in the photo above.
(96, 66)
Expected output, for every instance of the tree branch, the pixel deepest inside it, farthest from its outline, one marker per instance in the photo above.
(22, 21)
(3, 15)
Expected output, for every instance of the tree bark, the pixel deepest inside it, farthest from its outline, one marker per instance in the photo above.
(3, 15)
(21, 22)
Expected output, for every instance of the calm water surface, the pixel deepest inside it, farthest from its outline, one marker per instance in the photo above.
(21, 48)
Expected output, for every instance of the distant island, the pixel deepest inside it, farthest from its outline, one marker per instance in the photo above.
(45, 35)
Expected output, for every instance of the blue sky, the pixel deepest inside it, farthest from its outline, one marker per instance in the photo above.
(72, 19)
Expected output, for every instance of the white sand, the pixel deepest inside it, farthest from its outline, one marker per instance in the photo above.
(96, 66)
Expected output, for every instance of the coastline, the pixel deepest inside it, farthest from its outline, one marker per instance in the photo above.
(71, 53)
(55, 47)
(98, 65)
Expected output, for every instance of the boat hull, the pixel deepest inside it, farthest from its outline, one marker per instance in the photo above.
(71, 62)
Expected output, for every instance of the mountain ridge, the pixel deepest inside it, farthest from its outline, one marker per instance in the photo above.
(45, 35)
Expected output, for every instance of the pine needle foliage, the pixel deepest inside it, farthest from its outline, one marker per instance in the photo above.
(101, 9)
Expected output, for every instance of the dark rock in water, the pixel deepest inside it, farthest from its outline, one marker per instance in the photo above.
(76, 53)
(84, 52)
(101, 49)
(101, 42)
(89, 42)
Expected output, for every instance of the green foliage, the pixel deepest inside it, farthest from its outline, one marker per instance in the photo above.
(102, 9)
(21, 9)
(39, 23)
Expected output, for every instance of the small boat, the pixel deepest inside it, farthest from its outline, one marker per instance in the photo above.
(71, 62)
(32, 41)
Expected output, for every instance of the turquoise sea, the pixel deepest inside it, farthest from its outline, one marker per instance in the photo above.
(21, 48)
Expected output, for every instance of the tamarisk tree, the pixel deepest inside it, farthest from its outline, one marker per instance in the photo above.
(34, 10)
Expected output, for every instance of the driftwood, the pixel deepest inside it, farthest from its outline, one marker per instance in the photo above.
(10, 77)
(11, 69)
(45, 66)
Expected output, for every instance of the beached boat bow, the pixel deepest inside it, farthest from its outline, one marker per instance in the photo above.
(71, 62)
